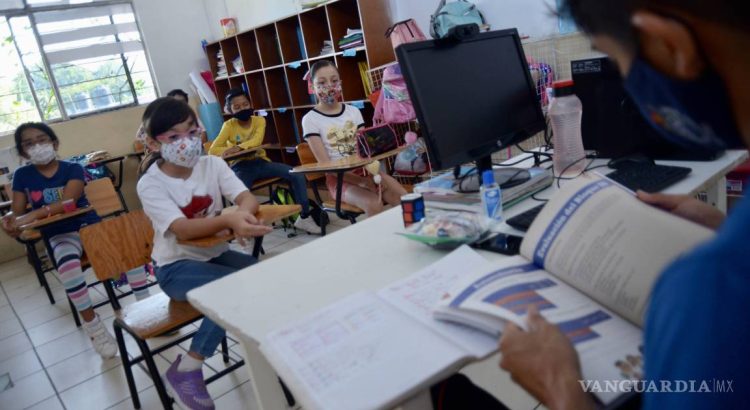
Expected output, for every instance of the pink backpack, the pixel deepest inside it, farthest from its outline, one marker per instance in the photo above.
(394, 105)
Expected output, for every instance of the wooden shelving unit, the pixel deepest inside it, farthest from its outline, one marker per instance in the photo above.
(276, 56)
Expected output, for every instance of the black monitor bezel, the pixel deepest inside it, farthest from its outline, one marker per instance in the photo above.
(441, 160)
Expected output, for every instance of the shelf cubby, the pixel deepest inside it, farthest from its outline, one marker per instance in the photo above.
(351, 79)
(275, 155)
(231, 52)
(367, 112)
(222, 88)
(271, 137)
(285, 127)
(297, 84)
(248, 46)
(212, 50)
(343, 15)
(238, 82)
(290, 39)
(268, 45)
(298, 114)
(290, 156)
(315, 30)
(256, 82)
(277, 88)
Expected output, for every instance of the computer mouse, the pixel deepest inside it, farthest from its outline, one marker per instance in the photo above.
(630, 160)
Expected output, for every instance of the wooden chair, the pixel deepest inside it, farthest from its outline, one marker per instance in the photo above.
(306, 156)
(104, 198)
(117, 245)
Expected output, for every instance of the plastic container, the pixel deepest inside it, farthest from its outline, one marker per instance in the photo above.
(565, 112)
(492, 198)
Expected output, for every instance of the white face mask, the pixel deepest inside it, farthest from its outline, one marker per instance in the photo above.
(184, 152)
(41, 154)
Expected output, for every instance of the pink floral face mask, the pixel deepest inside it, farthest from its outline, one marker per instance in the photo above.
(328, 94)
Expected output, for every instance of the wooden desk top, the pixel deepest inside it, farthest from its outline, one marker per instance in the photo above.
(344, 164)
(56, 218)
(267, 214)
(247, 152)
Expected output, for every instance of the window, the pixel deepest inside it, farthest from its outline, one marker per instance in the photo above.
(67, 58)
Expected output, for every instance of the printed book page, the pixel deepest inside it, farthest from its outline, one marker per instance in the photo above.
(418, 294)
(600, 239)
(604, 341)
(358, 353)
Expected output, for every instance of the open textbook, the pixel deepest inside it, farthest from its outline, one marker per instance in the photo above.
(588, 263)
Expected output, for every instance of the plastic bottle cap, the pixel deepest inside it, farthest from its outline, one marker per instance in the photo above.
(563, 88)
(488, 177)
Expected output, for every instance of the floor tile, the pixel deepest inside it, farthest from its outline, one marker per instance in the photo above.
(149, 400)
(228, 382)
(6, 313)
(3, 298)
(53, 403)
(44, 314)
(37, 299)
(13, 346)
(278, 250)
(27, 391)
(241, 397)
(80, 368)
(9, 328)
(54, 329)
(63, 348)
(21, 365)
(105, 390)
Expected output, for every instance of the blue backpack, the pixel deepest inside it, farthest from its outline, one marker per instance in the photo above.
(453, 14)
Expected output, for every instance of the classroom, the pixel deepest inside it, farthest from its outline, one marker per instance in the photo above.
(374, 204)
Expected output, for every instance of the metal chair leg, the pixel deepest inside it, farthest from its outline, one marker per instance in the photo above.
(166, 401)
(111, 294)
(36, 263)
(225, 350)
(126, 365)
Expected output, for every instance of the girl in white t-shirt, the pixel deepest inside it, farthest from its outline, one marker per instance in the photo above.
(330, 129)
(181, 193)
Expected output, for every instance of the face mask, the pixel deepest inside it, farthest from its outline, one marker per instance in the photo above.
(184, 152)
(243, 115)
(41, 154)
(328, 94)
(695, 114)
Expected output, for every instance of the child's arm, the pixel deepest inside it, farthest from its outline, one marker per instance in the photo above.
(220, 143)
(246, 202)
(257, 134)
(73, 190)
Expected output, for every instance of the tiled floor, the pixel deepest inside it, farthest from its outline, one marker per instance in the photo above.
(51, 362)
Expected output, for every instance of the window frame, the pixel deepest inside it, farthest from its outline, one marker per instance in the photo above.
(29, 11)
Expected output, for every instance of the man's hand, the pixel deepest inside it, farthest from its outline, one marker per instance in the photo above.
(230, 151)
(685, 207)
(542, 360)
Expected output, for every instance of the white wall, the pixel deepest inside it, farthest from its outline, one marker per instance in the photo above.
(172, 31)
(531, 17)
(249, 13)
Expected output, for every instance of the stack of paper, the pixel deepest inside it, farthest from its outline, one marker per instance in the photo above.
(354, 38)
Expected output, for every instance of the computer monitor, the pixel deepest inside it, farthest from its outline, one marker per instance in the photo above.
(472, 97)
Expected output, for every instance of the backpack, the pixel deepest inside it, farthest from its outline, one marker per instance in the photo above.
(283, 196)
(454, 14)
(412, 160)
(394, 104)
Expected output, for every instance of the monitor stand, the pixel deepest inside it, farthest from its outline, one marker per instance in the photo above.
(507, 177)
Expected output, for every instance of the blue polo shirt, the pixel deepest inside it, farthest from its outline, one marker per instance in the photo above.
(41, 191)
(698, 323)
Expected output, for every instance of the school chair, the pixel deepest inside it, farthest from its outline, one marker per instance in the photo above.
(306, 156)
(117, 245)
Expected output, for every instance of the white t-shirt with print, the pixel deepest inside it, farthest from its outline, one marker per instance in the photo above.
(166, 199)
(338, 131)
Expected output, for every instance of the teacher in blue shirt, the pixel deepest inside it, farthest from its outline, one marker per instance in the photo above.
(686, 65)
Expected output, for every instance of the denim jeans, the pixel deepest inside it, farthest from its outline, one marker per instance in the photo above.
(256, 169)
(177, 278)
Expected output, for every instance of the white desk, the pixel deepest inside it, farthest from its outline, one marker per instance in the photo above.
(365, 256)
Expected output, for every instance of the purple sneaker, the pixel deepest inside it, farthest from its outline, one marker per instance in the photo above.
(188, 388)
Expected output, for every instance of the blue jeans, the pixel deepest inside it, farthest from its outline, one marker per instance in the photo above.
(177, 278)
(256, 169)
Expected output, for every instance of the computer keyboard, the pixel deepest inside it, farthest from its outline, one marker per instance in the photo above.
(635, 176)
(648, 177)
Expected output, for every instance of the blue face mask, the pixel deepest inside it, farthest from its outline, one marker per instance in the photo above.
(695, 114)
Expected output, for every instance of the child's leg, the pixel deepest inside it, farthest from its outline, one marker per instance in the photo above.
(138, 282)
(67, 252)
(392, 190)
(362, 198)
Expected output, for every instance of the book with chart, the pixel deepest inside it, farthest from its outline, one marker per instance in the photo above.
(440, 192)
(587, 263)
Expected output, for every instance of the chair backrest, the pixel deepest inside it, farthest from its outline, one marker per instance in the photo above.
(103, 197)
(118, 244)
(306, 156)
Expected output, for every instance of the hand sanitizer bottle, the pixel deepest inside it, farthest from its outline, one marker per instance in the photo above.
(492, 198)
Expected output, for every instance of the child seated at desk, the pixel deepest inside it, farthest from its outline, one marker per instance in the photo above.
(246, 131)
(330, 129)
(45, 184)
(181, 192)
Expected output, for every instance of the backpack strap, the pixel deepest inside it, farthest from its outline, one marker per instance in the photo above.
(434, 17)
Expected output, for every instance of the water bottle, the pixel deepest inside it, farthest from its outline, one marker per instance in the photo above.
(565, 113)
(492, 198)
